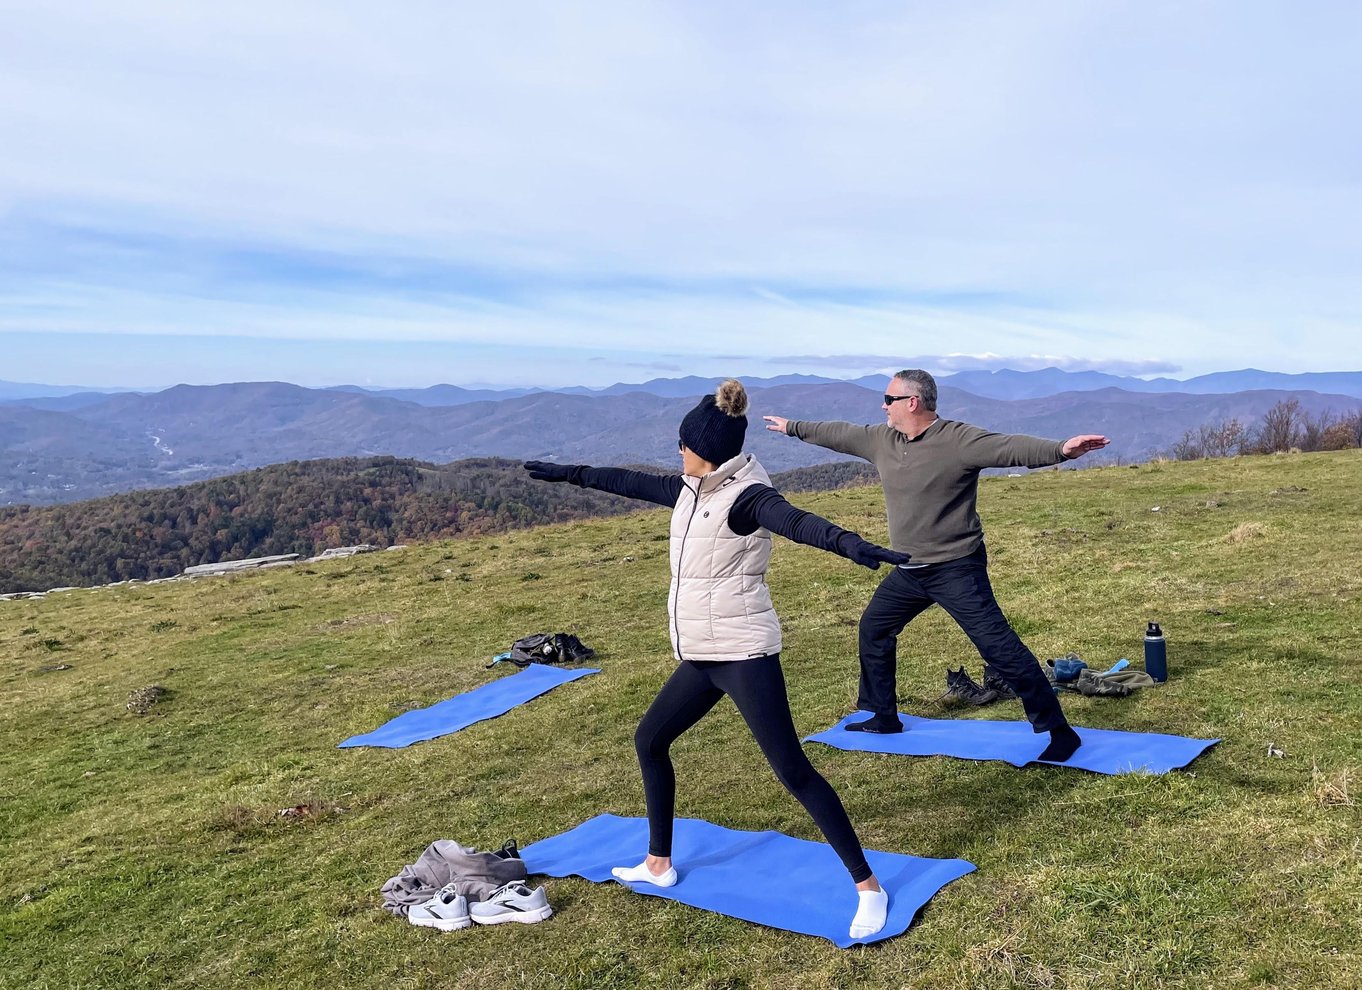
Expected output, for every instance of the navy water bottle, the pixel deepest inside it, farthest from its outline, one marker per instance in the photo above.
(1155, 653)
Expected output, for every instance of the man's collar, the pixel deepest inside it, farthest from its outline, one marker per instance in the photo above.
(925, 430)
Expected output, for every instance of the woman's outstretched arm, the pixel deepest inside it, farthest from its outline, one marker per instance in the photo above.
(763, 506)
(658, 488)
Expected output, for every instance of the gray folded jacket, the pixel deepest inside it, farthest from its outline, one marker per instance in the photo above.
(1130, 678)
(474, 875)
(1115, 685)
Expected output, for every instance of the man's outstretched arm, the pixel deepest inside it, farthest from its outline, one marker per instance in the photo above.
(985, 449)
(846, 438)
(1080, 445)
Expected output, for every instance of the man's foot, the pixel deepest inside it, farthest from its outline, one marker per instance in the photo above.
(641, 874)
(879, 724)
(870, 913)
(1064, 742)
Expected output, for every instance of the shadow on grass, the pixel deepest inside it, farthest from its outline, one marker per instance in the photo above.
(980, 807)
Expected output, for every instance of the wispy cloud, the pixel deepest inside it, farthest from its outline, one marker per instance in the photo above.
(946, 363)
(1146, 186)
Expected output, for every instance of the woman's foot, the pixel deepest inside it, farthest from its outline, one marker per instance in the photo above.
(871, 912)
(643, 873)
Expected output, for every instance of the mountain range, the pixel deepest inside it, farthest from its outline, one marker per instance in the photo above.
(63, 448)
(1001, 384)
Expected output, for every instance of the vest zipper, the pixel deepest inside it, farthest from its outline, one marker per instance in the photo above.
(680, 552)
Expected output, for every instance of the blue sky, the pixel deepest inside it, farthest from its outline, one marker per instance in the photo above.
(547, 193)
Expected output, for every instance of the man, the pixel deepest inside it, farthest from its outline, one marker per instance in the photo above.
(930, 471)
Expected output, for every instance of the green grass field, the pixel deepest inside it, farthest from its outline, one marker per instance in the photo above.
(148, 850)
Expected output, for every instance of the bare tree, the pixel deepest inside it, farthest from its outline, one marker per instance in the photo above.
(1223, 439)
(1353, 424)
(1337, 437)
(1313, 429)
(1281, 427)
(1343, 434)
(1189, 448)
(1226, 439)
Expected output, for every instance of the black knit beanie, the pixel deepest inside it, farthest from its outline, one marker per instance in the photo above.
(715, 428)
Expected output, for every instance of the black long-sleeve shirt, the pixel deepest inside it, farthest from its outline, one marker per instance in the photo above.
(756, 506)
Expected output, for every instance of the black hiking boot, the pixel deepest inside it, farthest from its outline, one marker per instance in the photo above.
(961, 689)
(570, 649)
(993, 681)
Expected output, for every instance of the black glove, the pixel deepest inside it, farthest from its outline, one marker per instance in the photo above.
(549, 471)
(868, 554)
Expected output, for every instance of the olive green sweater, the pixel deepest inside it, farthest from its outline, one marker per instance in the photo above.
(931, 482)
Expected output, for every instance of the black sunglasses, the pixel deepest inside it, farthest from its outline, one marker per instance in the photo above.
(889, 400)
(680, 444)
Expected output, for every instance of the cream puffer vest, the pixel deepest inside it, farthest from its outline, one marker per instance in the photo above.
(719, 604)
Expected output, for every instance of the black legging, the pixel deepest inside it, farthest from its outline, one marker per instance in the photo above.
(757, 687)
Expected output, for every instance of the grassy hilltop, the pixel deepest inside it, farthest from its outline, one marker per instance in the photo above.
(148, 850)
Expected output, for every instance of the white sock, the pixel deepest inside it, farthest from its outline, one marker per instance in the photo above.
(641, 874)
(870, 914)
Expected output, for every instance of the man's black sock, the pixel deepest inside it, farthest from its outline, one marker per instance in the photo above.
(1063, 743)
(882, 724)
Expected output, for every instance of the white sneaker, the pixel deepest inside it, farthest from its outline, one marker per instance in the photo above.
(447, 911)
(512, 902)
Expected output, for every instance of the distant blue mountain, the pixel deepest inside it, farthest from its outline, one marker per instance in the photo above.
(189, 432)
(677, 388)
(437, 395)
(1007, 384)
(1335, 382)
(670, 388)
(27, 391)
(63, 403)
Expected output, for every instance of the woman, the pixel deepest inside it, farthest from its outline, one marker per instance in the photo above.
(724, 629)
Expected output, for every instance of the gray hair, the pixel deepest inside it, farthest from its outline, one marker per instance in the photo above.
(924, 383)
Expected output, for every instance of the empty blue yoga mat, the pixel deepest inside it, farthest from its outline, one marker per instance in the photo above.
(1109, 751)
(462, 710)
(765, 877)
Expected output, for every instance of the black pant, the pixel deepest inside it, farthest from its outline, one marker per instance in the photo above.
(961, 587)
(757, 687)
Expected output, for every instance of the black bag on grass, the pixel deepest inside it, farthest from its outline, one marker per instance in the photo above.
(546, 648)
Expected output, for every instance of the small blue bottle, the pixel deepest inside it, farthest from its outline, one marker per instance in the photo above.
(1155, 653)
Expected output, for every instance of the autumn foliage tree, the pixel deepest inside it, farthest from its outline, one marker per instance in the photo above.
(300, 507)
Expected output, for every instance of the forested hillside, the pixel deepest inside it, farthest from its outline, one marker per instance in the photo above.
(300, 507)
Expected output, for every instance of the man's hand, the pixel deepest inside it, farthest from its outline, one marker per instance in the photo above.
(1078, 446)
(776, 424)
(548, 471)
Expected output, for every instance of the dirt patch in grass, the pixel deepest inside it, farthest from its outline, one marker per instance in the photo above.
(356, 622)
(243, 820)
(1334, 790)
(1246, 531)
(1002, 959)
(144, 699)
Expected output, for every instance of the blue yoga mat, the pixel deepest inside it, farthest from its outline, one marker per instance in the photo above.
(765, 877)
(1107, 751)
(462, 710)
